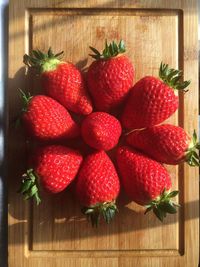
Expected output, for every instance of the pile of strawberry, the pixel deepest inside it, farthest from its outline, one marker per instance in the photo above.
(111, 112)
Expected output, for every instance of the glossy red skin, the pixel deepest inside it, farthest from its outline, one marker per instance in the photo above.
(150, 103)
(56, 166)
(66, 85)
(97, 180)
(109, 82)
(143, 179)
(101, 130)
(46, 119)
(165, 143)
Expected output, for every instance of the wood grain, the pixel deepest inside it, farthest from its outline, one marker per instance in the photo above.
(56, 233)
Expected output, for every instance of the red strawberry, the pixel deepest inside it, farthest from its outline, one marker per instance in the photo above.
(97, 187)
(166, 143)
(152, 100)
(54, 168)
(101, 130)
(146, 182)
(110, 77)
(61, 80)
(44, 118)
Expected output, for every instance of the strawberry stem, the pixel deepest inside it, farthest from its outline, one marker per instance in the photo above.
(172, 77)
(41, 61)
(106, 209)
(192, 157)
(163, 205)
(29, 187)
(111, 50)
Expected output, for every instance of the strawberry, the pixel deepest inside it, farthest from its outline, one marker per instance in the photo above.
(45, 119)
(146, 182)
(110, 77)
(101, 130)
(61, 80)
(166, 143)
(153, 100)
(97, 187)
(54, 168)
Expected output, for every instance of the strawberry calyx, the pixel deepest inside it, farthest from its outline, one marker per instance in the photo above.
(43, 61)
(25, 99)
(107, 210)
(163, 205)
(111, 50)
(191, 157)
(172, 77)
(29, 186)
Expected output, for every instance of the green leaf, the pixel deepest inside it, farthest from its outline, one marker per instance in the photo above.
(59, 55)
(197, 146)
(195, 155)
(173, 194)
(115, 47)
(122, 46)
(35, 54)
(50, 53)
(33, 190)
(148, 209)
(95, 50)
(37, 198)
(168, 207)
(173, 74)
(194, 137)
(182, 85)
(159, 214)
(31, 175)
(175, 80)
(106, 45)
(41, 55)
(111, 49)
(108, 216)
(88, 211)
(194, 162)
(94, 56)
(176, 205)
(112, 213)
(25, 186)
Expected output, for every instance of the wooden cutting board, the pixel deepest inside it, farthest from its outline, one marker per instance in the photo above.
(55, 233)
